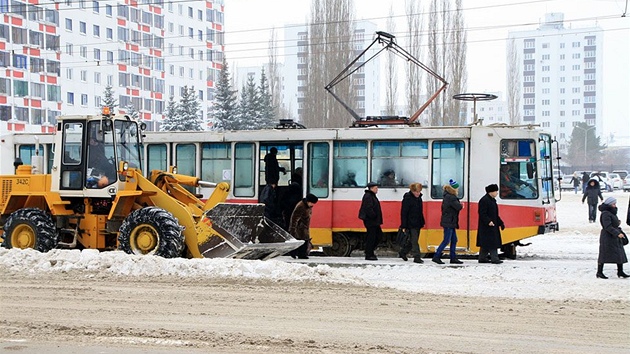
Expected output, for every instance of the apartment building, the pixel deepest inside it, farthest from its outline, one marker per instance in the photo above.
(59, 56)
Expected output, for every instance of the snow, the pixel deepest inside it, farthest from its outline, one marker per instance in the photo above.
(559, 266)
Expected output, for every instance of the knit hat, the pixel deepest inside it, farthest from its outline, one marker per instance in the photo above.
(311, 198)
(610, 201)
(453, 183)
(492, 188)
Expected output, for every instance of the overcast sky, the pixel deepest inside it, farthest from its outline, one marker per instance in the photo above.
(248, 25)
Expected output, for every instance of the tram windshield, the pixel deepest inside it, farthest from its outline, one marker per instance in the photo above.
(518, 175)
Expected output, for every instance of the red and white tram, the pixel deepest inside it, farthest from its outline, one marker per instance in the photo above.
(338, 163)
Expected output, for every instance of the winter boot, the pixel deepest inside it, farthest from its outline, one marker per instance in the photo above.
(600, 271)
(620, 272)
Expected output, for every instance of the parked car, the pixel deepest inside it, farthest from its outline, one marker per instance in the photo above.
(625, 179)
(615, 181)
(604, 180)
(626, 185)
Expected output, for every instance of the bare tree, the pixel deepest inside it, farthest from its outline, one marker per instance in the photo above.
(457, 67)
(414, 73)
(331, 34)
(513, 84)
(391, 74)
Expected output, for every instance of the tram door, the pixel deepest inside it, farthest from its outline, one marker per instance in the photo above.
(290, 157)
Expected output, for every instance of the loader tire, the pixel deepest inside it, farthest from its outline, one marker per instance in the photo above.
(153, 231)
(30, 228)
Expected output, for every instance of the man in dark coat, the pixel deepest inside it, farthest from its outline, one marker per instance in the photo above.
(272, 168)
(585, 178)
(488, 233)
(273, 211)
(450, 222)
(610, 246)
(300, 224)
(372, 216)
(591, 193)
(411, 221)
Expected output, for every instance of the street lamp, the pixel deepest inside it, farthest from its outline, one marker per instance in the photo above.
(585, 130)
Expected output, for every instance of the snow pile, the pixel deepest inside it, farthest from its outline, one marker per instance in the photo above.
(556, 266)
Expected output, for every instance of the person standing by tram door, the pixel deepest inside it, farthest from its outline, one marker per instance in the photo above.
(591, 193)
(610, 240)
(273, 211)
(372, 216)
(488, 233)
(449, 221)
(300, 224)
(411, 221)
(272, 168)
(292, 196)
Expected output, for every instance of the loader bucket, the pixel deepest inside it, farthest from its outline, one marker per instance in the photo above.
(242, 231)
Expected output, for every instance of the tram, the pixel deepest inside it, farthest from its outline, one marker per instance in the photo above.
(337, 164)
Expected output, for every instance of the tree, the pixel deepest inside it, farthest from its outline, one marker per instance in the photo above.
(108, 99)
(189, 110)
(584, 147)
(414, 40)
(513, 84)
(248, 106)
(132, 112)
(331, 34)
(224, 111)
(391, 74)
(267, 109)
(170, 116)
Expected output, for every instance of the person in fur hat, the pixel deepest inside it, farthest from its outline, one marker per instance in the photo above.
(591, 193)
(449, 221)
(489, 226)
(610, 245)
(300, 224)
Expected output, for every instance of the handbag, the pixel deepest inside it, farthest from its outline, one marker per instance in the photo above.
(402, 238)
(624, 239)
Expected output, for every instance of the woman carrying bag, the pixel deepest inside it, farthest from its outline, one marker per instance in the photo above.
(611, 239)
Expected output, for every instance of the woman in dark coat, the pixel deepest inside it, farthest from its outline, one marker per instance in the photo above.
(591, 193)
(450, 222)
(411, 221)
(272, 168)
(300, 224)
(610, 246)
(372, 216)
(488, 233)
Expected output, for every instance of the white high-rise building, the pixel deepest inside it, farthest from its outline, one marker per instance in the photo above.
(366, 80)
(60, 56)
(561, 76)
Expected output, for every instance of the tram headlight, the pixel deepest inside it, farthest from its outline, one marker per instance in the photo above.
(537, 214)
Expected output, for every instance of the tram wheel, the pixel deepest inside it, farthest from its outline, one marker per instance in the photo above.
(340, 246)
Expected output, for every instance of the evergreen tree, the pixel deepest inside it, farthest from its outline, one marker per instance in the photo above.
(170, 116)
(248, 107)
(224, 110)
(109, 99)
(267, 111)
(132, 112)
(189, 111)
(585, 148)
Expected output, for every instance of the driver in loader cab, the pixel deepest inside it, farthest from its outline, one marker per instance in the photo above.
(101, 172)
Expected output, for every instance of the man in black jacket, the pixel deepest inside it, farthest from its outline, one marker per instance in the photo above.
(372, 216)
(489, 223)
(411, 221)
(272, 168)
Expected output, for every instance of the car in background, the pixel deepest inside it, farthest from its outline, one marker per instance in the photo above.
(615, 181)
(625, 179)
(604, 180)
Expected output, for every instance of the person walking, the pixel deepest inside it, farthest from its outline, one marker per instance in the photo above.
(372, 216)
(576, 180)
(610, 245)
(488, 233)
(411, 221)
(300, 224)
(272, 168)
(449, 221)
(591, 194)
(585, 178)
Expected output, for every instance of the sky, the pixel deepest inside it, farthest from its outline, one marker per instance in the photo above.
(557, 266)
(248, 25)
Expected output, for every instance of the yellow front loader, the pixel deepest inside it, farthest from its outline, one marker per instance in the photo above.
(96, 197)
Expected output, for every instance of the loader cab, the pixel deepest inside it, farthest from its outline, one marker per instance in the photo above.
(91, 148)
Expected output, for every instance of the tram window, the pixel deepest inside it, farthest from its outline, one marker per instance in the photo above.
(244, 170)
(318, 169)
(350, 161)
(448, 163)
(215, 161)
(396, 163)
(284, 160)
(514, 180)
(157, 158)
(185, 158)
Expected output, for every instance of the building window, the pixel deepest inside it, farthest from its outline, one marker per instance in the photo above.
(82, 27)
(561, 45)
(97, 30)
(84, 99)
(545, 90)
(575, 101)
(97, 78)
(545, 79)
(576, 56)
(545, 68)
(575, 67)
(545, 102)
(70, 98)
(576, 44)
(84, 75)
(69, 24)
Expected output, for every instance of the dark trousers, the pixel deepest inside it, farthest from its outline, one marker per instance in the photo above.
(372, 238)
(592, 212)
(483, 254)
(412, 246)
